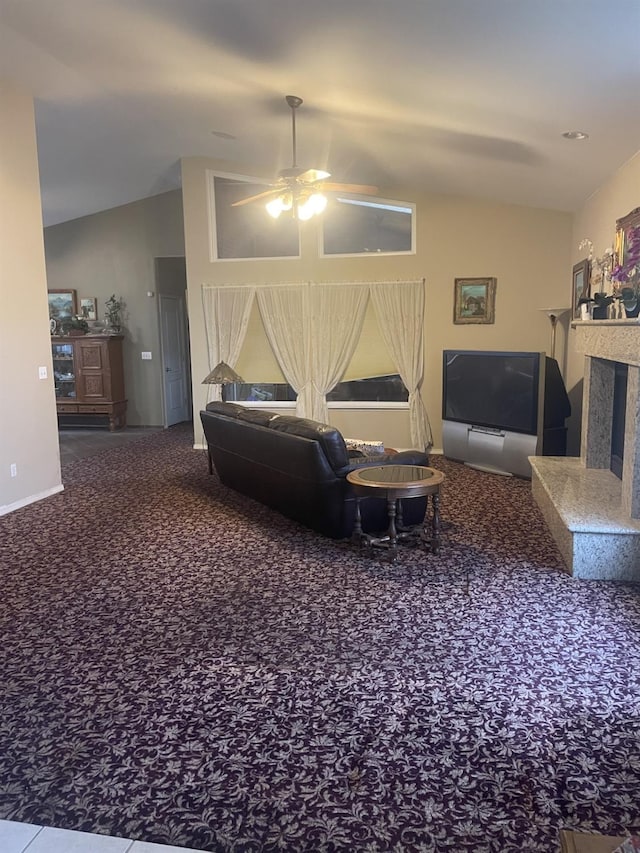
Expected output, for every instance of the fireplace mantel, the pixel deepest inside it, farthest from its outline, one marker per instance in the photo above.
(594, 516)
(612, 340)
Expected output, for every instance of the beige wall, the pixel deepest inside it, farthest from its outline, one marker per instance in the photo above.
(527, 250)
(28, 425)
(596, 221)
(114, 252)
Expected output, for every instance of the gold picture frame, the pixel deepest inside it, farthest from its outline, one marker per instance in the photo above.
(474, 300)
(623, 227)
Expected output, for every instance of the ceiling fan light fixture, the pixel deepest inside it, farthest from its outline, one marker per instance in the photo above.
(300, 190)
(305, 211)
(319, 202)
(311, 205)
(279, 204)
(274, 207)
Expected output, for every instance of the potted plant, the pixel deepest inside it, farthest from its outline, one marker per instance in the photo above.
(599, 305)
(113, 314)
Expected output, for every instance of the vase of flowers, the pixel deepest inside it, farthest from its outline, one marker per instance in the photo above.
(626, 275)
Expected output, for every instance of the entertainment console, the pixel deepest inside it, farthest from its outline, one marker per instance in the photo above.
(499, 408)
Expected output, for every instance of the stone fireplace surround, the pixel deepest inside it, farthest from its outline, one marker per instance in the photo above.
(593, 516)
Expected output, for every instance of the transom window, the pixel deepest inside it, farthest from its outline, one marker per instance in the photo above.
(368, 226)
(350, 225)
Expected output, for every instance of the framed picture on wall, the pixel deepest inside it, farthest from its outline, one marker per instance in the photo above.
(63, 304)
(627, 231)
(580, 286)
(88, 308)
(474, 300)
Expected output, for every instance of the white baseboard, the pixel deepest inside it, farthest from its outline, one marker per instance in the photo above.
(4, 510)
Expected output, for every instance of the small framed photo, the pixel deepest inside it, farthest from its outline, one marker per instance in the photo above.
(580, 286)
(88, 308)
(475, 300)
(63, 304)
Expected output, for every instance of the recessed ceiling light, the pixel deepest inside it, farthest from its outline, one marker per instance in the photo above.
(575, 134)
(222, 135)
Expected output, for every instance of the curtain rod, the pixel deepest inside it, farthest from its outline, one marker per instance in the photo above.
(313, 283)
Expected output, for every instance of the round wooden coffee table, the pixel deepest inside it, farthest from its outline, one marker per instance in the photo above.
(397, 483)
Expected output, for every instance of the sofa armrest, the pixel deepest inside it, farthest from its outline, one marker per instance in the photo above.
(409, 457)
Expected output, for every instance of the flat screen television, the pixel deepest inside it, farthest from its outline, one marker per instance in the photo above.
(495, 390)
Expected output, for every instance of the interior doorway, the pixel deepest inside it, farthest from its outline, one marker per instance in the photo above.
(171, 283)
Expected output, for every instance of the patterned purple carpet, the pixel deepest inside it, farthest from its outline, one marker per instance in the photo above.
(182, 665)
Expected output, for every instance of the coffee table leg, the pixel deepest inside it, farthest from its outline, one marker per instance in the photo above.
(357, 524)
(392, 532)
(435, 523)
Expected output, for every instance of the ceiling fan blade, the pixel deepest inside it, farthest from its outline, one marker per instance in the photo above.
(310, 176)
(249, 199)
(362, 189)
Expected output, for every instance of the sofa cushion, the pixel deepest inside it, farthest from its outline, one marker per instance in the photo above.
(242, 413)
(257, 416)
(329, 438)
(231, 410)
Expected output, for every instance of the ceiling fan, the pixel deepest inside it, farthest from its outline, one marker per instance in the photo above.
(301, 190)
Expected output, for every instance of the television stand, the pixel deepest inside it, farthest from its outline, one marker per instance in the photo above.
(488, 469)
(486, 449)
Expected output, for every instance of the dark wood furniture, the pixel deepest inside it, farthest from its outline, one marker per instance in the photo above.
(89, 380)
(397, 483)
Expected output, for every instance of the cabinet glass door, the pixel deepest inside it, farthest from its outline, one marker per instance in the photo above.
(64, 372)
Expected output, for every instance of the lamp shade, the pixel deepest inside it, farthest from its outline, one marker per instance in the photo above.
(555, 312)
(222, 374)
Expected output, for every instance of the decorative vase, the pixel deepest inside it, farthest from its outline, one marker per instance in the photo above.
(600, 308)
(630, 299)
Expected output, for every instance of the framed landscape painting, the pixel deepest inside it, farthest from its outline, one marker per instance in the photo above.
(475, 300)
(63, 304)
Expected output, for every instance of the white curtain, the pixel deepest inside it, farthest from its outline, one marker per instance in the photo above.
(226, 317)
(337, 315)
(286, 317)
(399, 308)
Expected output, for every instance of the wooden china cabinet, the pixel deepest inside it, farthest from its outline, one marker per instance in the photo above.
(89, 380)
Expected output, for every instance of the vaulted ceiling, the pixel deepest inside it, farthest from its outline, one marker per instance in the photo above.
(467, 97)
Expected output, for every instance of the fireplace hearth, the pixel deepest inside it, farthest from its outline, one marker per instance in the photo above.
(594, 515)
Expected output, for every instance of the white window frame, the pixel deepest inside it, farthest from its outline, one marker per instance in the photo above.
(371, 201)
(211, 175)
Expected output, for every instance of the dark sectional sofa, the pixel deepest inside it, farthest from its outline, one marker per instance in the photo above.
(298, 467)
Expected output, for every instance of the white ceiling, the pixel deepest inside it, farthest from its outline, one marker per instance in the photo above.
(468, 97)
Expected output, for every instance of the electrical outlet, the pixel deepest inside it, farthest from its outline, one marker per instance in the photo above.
(146, 356)
(14, 469)
(42, 373)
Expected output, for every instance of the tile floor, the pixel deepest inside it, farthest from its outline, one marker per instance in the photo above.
(18, 837)
(28, 838)
(80, 443)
